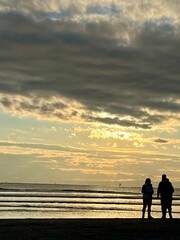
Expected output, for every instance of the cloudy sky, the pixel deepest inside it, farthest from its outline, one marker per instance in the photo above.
(89, 91)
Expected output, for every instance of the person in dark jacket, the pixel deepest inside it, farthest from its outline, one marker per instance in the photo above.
(165, 190)
(147, 190)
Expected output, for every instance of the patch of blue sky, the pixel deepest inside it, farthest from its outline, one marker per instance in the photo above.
(58, 15)
(164, 24)
(107, 9)
(10, 121)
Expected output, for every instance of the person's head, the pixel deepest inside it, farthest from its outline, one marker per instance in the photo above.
(164, 177)
(148, 181)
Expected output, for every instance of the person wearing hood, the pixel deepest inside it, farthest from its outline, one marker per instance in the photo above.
(165, 191)
(147, 191)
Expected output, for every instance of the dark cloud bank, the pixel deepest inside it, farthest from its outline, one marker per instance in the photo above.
(137, 82)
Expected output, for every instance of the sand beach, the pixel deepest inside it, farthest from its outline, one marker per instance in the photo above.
(112, 229)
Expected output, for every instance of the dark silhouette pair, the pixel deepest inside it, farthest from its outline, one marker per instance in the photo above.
(165, 191)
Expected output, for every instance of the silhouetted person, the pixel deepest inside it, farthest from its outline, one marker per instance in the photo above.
(165, 189)
(147, 190)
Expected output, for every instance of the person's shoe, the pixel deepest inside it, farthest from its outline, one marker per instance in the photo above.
(150, 217)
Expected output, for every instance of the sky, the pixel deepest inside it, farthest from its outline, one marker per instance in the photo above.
(89, 91)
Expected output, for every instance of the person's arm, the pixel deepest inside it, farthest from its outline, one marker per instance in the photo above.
(158, 190)
(143, 189)
(172, 188)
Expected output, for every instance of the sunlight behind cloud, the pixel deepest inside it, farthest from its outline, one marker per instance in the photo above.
(89, 90)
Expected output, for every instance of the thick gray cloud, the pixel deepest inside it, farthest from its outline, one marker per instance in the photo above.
(100, 58)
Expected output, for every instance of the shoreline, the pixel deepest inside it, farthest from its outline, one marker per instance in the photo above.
(112, 229)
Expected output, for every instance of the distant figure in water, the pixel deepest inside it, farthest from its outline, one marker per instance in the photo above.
(165, 190)
(147, 190)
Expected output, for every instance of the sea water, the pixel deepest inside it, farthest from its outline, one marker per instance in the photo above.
(19, 200)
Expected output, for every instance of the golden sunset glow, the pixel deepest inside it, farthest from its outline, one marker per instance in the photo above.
(89, 91)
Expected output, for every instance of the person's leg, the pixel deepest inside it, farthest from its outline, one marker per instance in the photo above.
(170, 209)
(143, 212)
(163, 208)
(149, 208)
(170, 213)
(163, 211)
(144, 208)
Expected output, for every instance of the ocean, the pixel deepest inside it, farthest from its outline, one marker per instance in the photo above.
(20, 200)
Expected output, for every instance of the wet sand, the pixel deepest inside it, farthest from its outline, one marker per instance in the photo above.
(121, 229)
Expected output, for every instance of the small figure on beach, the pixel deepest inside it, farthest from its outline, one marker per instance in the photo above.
(147, 190)
(165, 190)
